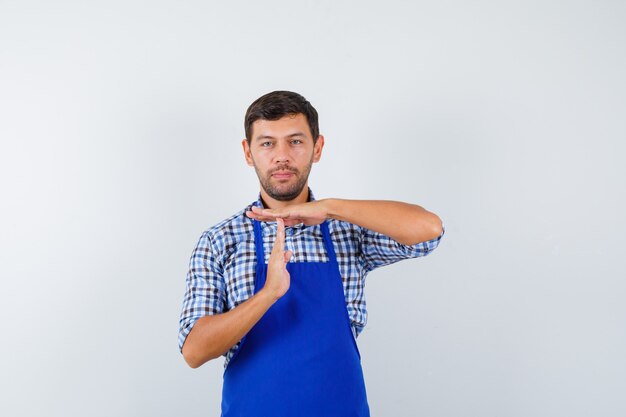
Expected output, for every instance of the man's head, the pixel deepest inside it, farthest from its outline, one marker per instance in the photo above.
(282, 142)
(277, 104)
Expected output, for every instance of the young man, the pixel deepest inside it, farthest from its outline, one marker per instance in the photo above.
(287, 320)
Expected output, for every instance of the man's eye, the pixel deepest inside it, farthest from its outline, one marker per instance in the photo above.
(296, 141)
(266, 144)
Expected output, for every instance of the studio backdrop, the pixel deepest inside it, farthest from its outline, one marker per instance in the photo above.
(120, 143)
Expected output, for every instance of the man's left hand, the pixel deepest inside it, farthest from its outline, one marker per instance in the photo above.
(311, 213)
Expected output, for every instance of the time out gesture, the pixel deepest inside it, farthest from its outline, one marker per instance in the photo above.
(406, 223)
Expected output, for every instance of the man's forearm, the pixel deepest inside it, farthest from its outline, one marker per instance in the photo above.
(405, 223)
(212, 336)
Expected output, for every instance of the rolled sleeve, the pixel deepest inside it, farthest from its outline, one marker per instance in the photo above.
(380, 250)
(204, 293)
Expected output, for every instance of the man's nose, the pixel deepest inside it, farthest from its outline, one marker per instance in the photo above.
(282, 152)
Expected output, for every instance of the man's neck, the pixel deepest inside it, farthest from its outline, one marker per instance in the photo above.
(272, 203)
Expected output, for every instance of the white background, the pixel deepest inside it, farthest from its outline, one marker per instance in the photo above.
(120, 127)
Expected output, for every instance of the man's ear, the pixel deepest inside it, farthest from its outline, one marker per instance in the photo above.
(246, 152)
(317, 149)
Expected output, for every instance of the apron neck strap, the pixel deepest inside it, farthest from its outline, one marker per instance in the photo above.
(258, 242)
(328, 243)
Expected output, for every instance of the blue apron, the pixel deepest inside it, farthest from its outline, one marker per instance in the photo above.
(300, 359)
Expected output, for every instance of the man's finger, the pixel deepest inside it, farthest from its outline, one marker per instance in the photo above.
(260, 217)
(266, 212)
(274, 213)
(279, 243)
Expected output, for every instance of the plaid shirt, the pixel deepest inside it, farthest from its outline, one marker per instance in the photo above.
(222, 266)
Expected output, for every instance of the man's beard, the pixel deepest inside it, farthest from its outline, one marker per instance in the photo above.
(280, 193)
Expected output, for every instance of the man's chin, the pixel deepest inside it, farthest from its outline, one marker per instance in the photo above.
(284, 195)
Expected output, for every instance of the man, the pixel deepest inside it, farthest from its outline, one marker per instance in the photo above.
(287, 320)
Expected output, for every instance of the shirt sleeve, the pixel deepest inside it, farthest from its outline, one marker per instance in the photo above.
(204, 293)
(378, 250)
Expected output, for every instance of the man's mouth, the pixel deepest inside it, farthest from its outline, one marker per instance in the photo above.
(283, 174)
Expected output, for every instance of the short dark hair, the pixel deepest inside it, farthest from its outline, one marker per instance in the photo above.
(277, 104)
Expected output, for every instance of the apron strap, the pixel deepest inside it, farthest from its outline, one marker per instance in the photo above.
(258, 242)
(328, 243)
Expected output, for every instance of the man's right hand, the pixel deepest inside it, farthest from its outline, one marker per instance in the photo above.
(277, 280)
(212, 336)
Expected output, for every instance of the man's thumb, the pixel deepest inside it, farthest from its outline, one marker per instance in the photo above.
(287, 255)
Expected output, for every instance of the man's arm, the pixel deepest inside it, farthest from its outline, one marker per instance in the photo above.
(405, 223)
(212, 336)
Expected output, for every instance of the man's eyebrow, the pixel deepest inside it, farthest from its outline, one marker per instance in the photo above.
(263, 137)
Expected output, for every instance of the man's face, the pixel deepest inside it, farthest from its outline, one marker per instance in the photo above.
(282, 152)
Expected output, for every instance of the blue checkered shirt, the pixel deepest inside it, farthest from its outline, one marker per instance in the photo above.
(222, 266)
